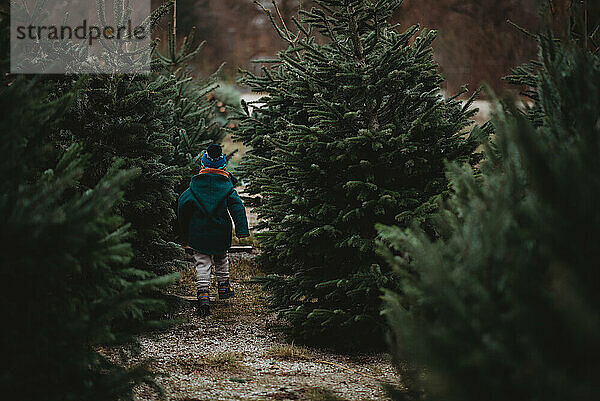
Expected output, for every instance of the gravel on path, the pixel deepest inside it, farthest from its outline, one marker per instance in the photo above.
(235, 354)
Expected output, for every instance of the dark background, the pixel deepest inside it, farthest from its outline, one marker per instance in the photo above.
(476, 44)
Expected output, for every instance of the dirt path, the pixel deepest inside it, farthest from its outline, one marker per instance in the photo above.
(234, 355)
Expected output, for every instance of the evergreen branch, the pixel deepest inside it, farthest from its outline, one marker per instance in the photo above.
(320, 14)
(355, 36)
(289, 35)
(269, 14)
(301, 27)
(521, 29)
(472, 99)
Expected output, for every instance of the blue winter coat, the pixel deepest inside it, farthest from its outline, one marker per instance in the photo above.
(204, 211)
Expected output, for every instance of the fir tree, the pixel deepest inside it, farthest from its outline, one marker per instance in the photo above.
(353, 132)
(507, 305)
(195, 119)
(129, 117)
(67, 288)
(156, 123)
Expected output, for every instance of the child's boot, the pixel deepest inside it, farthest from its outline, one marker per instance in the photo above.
(225, 290)
(203, 303)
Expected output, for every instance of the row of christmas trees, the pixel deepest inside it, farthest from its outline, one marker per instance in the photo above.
(369, 179)
(493, 293)
(506, 303)
(92, 166)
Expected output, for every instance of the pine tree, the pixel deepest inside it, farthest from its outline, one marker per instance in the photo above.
(156, 123)
(129, 117)
(195, 119)
(507, 305)
(67, 287)
(353, 132)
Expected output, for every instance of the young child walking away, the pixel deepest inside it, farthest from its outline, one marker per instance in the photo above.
(204, 211)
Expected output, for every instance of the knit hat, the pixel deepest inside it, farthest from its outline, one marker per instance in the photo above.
(213, 157)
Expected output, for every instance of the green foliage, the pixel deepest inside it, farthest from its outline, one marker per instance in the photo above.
(156, 123)
(129, 117)
(507, 305)
(66, 285)
(59, 56)
(72, 281)
(353, 132)
(193, 121)
(196, 119)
